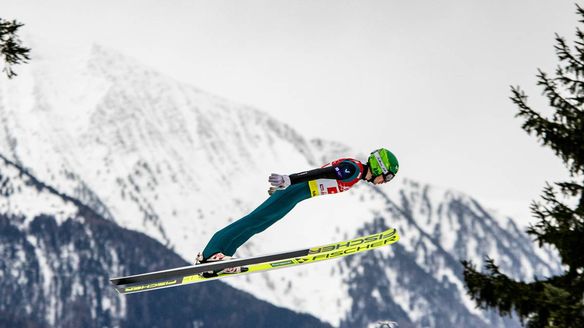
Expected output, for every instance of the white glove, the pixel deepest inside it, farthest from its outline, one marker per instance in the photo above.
(278, 182)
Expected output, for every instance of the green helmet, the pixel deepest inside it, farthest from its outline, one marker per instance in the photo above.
(383, 162)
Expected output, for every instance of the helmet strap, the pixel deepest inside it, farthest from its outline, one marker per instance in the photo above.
(367, 169)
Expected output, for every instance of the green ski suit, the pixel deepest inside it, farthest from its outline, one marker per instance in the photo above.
(334, 177)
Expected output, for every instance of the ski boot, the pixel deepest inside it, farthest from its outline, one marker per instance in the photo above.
(215, 258)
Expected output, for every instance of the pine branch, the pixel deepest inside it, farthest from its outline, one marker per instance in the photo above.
(554, 134)
(540, 302)
(573, 85)
(11, 50)
(572, 188)
(496, 290)
(560, 226)
(563, 52)
(561, 104)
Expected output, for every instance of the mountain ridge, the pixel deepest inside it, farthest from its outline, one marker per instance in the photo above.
(55, 268)
(177, 164)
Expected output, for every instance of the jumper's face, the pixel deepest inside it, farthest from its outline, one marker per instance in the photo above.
(379, 180)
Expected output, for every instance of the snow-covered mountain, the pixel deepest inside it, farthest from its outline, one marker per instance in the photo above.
(166, 159)
(56, 257)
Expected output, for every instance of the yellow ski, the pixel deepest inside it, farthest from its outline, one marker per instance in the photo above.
(191, 274)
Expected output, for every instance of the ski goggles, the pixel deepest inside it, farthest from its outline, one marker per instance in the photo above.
(388, 176)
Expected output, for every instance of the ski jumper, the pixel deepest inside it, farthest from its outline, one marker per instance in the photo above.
(337, 176)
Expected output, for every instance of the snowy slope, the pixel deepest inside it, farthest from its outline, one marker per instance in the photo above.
(171, 161)
(56, 258)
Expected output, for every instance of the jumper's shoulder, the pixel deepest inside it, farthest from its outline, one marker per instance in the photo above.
(348, 169)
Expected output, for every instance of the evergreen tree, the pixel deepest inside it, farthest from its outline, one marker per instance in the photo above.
(11, 49)
(556, 301)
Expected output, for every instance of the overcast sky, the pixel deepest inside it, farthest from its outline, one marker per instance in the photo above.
(427, 79)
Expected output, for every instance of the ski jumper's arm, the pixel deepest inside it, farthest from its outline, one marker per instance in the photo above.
(338, 170)
(334, 177)
(321, 173)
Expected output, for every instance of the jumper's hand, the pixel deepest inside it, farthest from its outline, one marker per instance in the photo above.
(272, 190)
(278, 182)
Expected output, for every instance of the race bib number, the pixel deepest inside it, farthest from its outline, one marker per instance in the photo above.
(323, 187)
